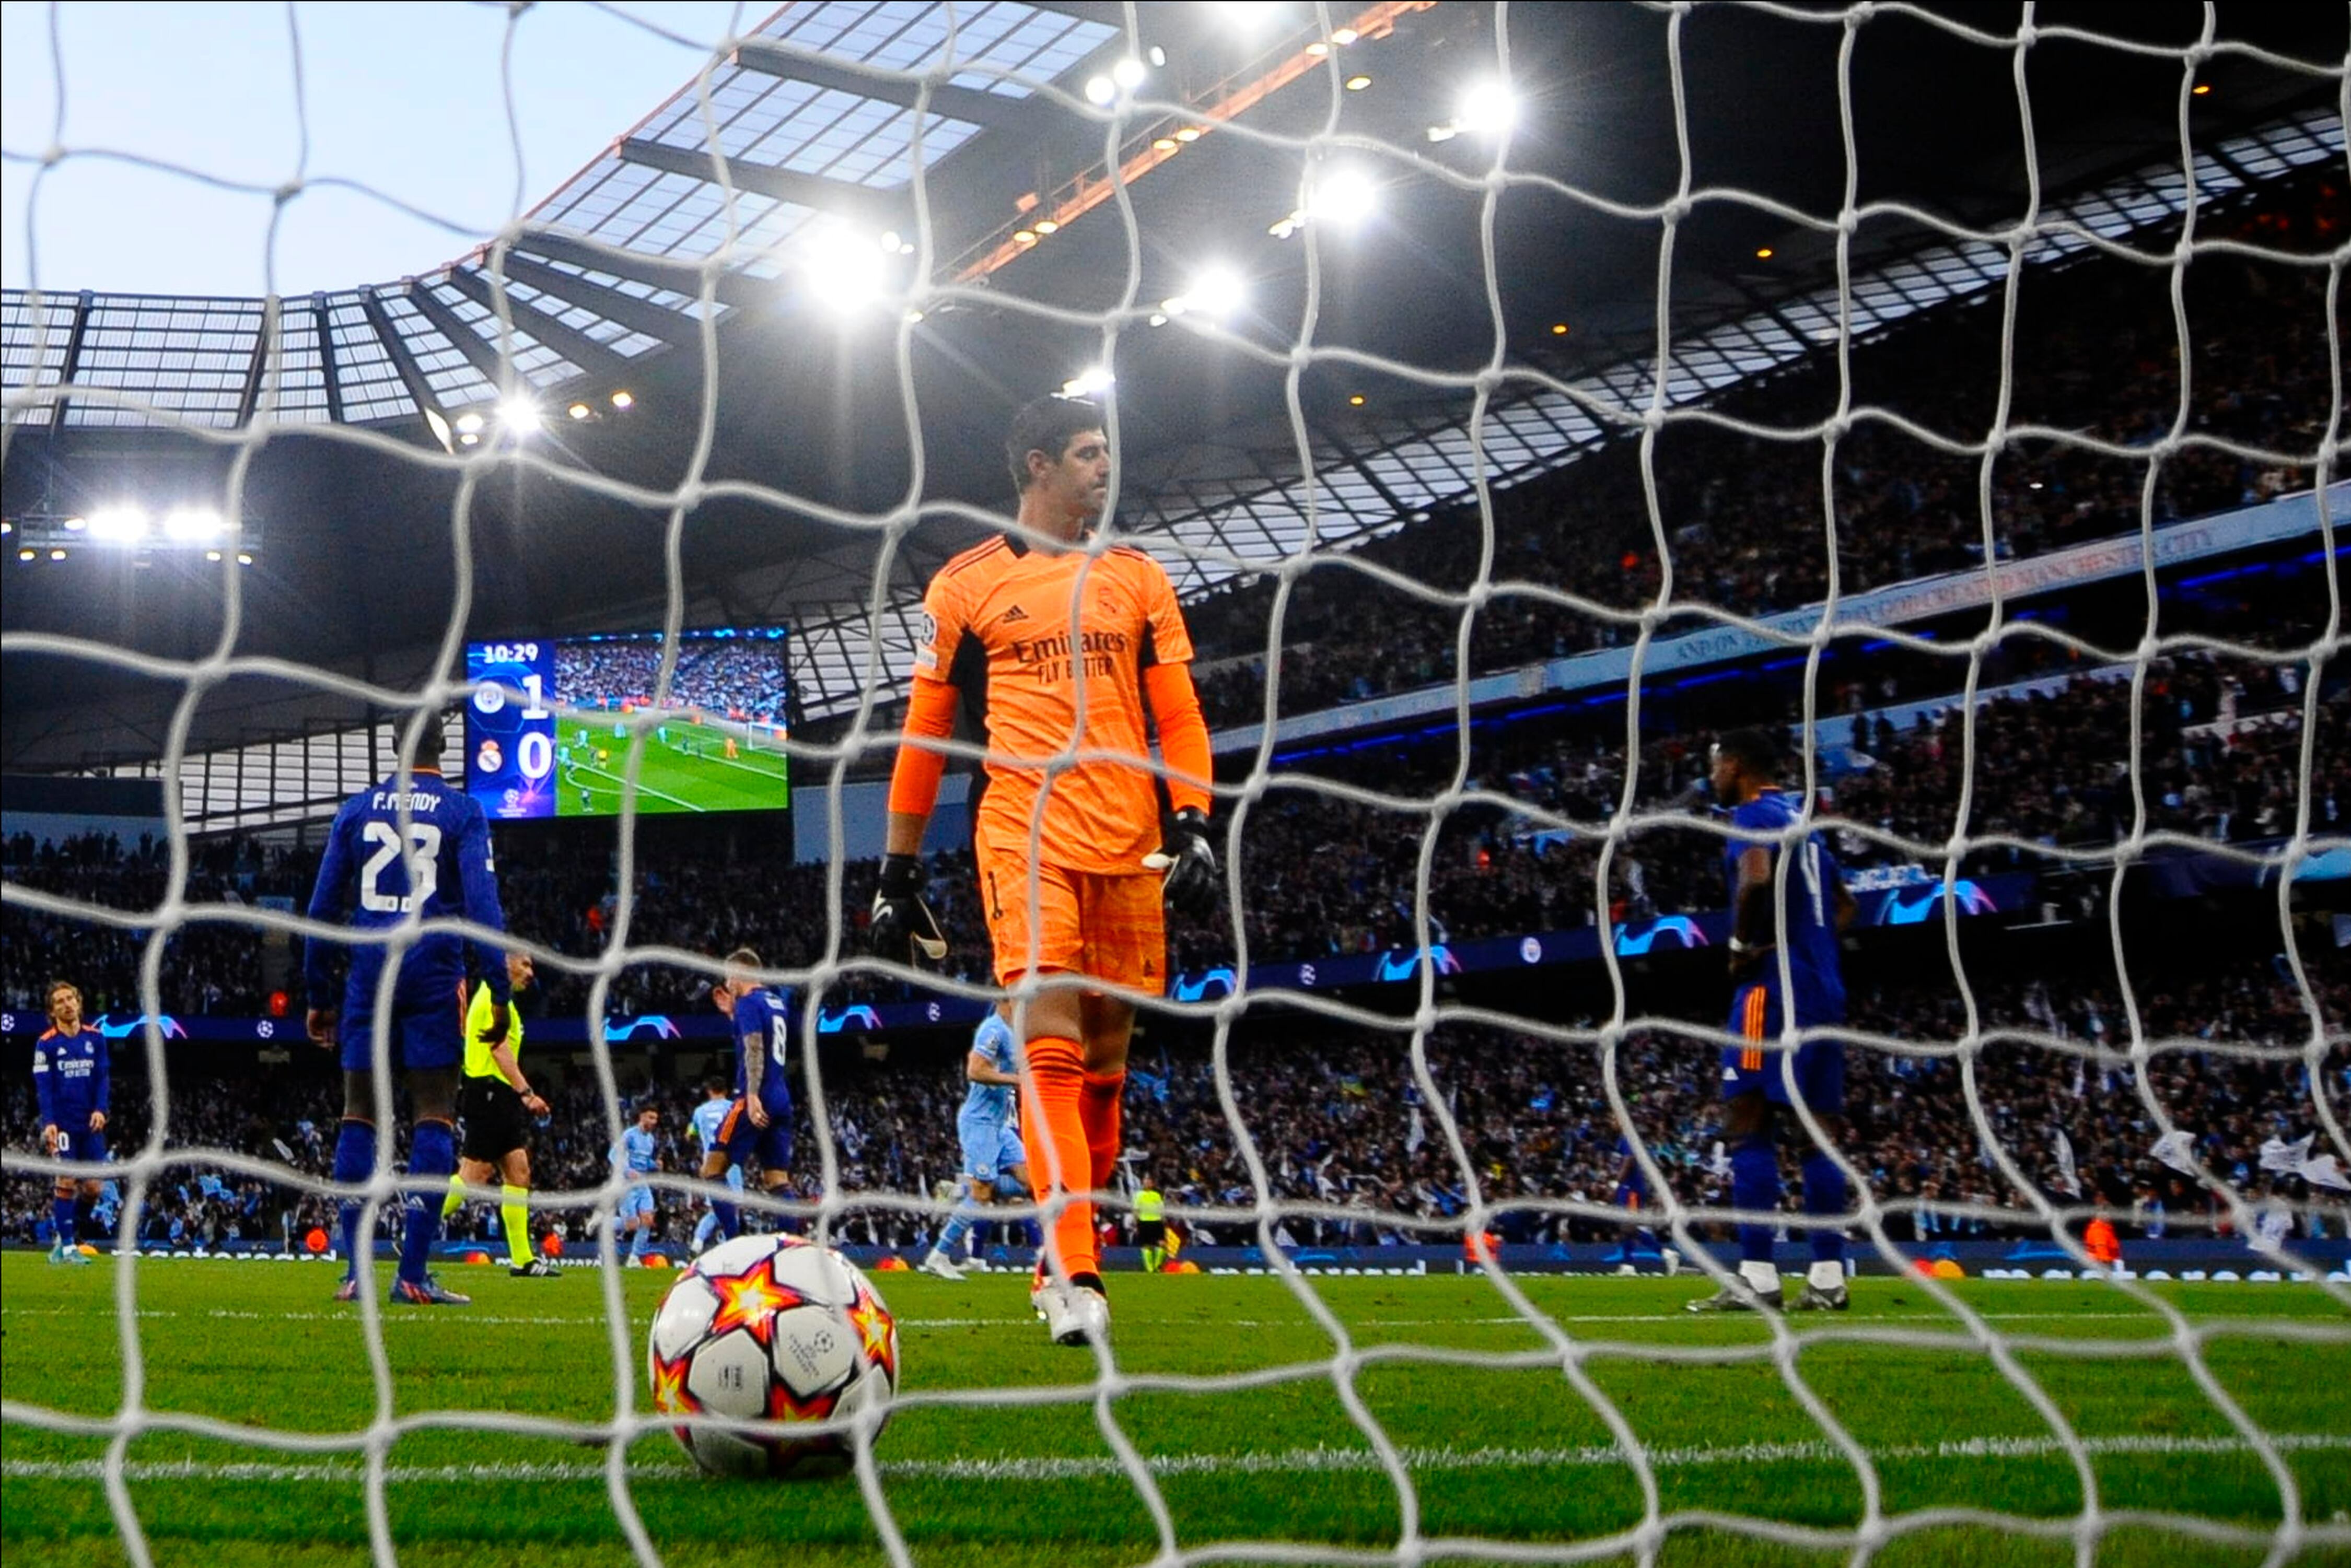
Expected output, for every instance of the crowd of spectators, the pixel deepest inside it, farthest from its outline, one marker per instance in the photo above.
(1341, 1124)
(1743, 519)
(748, 676)
(2219, 756)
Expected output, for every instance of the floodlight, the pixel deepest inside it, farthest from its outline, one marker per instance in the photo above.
(244, 557)
(1487, 108)
(470, 424)
(1342, 196)
(27, 554)
(1129, 73)
(1218, 292)
(623, 400)
(1091, 382)
(520, 415)
(837, 264)
(119, 525)
(1101, 89)
(193, 525)
(56, 555)
(72, 526)
(579, 410)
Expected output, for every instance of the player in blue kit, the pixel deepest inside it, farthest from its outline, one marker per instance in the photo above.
(640, 1151)
(72, 1079)
(992, 1153)
(759, 1121)
(1632, 1194)
(708, 1117)
(1765, 980)
(410, 849)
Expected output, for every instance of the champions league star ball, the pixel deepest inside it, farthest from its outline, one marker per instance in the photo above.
(772, 1329)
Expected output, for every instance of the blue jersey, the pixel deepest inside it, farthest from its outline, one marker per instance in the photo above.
(993, 1043)
(1807, 924)
(708, 1117)
(71, 1077)
(441, 856)
(640, 1149)
(763, 1027)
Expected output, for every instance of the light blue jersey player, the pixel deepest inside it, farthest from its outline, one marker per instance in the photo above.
(986, 1126)
(1784, 968)
(640, 1151)
(708, 1118)
(759, 1121)
(410, 849)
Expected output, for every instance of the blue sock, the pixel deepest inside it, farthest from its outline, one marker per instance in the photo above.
(354, 1162)
(637, 1240)
(730, 1221)
(61, 1214)
(703, 1227)
(431, 1155)
(959, 1223)
(1825, 1192)
(1755, 1186)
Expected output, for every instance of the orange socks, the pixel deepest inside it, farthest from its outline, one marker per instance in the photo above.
(1099, 1107)
(1053, 1130)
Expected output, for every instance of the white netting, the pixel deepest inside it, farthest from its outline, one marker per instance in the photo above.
(724, 215)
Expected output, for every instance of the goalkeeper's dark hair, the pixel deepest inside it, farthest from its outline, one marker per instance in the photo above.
(1047, 424)
(1758, 751)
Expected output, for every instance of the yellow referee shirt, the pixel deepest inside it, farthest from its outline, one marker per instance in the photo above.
(477, 1024)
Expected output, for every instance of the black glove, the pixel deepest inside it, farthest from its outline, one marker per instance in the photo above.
(901, 921)
(1190, 861)
(1750, 963)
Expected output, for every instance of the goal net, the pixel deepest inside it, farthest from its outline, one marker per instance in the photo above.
(1605, 457)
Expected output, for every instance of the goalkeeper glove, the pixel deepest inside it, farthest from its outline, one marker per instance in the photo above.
(1190, 861)
(901, 921)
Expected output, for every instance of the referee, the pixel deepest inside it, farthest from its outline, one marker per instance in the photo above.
(1151, 1228)
(492, 1102)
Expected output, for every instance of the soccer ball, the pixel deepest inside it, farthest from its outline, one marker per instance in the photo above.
(770, 1328)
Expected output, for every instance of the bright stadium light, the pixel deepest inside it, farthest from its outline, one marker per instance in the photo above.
(1100, 90)
(470, 423)
(193, 525)
(1217, 293)
(520, 415)
(118, 525)
(1485, 108)
(837, 264)
(1129, 73)
(1342, 196)
(1091, 382)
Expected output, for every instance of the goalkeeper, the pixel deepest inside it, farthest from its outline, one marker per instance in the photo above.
(1055, 644)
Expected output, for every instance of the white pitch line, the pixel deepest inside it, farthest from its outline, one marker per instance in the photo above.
(1292, 1461)
(1918, 1320)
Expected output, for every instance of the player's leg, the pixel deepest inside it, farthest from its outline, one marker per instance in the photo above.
(355, 1148)
(775, 1152)
(1754, 1164)
(718, 1163)
(1125, 944)
(1820, 1079)
(65, 1221)
(639, 1205)
(1053, 1079)
(430, 1026)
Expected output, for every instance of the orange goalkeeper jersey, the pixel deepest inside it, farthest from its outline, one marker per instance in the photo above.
(1023, 634)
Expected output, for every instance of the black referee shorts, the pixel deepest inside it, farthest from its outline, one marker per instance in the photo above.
(493, 1115)
(1151, 1233)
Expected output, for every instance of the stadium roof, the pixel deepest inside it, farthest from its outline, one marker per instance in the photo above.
(605, 284)
(800, 138)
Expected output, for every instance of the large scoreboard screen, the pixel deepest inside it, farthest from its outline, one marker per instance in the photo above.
(552, 721)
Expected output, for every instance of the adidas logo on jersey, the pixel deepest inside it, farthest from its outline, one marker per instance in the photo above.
(1009, 616)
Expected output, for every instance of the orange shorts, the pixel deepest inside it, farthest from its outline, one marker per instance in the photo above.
(1108, 928)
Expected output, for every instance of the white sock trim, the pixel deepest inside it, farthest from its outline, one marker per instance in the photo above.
(1763, 1275)
(1826, 1275)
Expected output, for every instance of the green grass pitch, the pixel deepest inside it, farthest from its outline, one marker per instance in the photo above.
(1499, 1444)
(670, 780)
